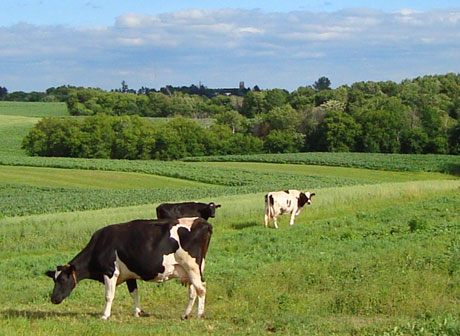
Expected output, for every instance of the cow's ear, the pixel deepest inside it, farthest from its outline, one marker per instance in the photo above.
(51, 274)
(218, 206)
(312, 194)
(60, 268)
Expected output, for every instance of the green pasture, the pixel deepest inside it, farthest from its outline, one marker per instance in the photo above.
(76, 178)
(33, 109)
(377, 253)
(12, 130)
(380, 259)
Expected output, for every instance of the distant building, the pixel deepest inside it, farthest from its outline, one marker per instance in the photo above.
(240, 91)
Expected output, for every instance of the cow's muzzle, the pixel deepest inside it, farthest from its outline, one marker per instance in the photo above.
(56, 300)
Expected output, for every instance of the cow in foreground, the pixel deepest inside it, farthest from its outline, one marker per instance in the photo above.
(151, 250)
(187, 209)
(281, 202)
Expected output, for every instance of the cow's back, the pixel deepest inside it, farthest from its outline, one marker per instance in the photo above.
(140, 244)
(178, 210)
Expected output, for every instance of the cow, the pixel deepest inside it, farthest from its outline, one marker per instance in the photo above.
(151, 250)
(288, 201)
(187, 209)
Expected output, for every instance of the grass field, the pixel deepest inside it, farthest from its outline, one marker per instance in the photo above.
(12, 130)
(354, 263)
(377, 253)
(75, 178)
(34, 109)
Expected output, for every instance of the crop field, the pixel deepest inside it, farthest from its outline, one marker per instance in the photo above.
(377, 252)
(393, 162)
(33, 109)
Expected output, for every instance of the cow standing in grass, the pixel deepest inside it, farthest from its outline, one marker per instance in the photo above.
(151, 250)
(281, 202)
(187, 209)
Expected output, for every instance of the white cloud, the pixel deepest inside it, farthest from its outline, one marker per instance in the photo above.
(206, 45)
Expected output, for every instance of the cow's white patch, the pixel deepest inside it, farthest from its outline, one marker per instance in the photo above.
(56, 274)
(187, 221)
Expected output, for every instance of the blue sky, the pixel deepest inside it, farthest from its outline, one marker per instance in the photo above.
(284, 44)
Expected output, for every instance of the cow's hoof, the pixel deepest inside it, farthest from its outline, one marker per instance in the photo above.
(184, 317)
(139, 313)
(104, 318)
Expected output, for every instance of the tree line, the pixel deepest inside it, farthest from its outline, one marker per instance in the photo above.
(132, 137)
(415, 116)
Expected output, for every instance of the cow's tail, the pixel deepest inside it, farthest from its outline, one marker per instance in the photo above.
(204, 248)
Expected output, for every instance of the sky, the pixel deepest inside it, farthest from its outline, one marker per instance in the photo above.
(218, 43)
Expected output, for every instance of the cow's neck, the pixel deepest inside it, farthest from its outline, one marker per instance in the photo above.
(81, 264)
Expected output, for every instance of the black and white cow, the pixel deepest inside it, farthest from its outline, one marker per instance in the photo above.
(151, 250)
(187, 209)
(288, 201)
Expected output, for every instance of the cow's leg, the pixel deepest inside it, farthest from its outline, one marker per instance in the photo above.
(132, 287)
(110, 285)
(201, 299)
(266, 219)
(200, 288)
(291, 222)
(275, 222)
(191, 301)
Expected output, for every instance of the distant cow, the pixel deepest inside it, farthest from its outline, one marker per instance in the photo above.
(281, 202)
(150, 250)
(187, 209)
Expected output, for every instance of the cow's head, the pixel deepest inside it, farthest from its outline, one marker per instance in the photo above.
(211, 209)
(305, 198)
(65, 280)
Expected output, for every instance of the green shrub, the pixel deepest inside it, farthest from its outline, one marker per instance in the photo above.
(418, 224)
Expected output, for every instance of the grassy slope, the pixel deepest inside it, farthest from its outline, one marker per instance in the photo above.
(17, 118)
(33, 109)
(349, 265)
(33, 190)
(12, 130)
(75, 178)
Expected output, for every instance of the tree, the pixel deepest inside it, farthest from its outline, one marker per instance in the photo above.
(275, 98)
(454, 139)
(124, 87)
(3, 93)
(338, 132)
(253, 104)
(323, 83)
(283, 142)
(413, 141)
(134, 138)
(232, 119)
